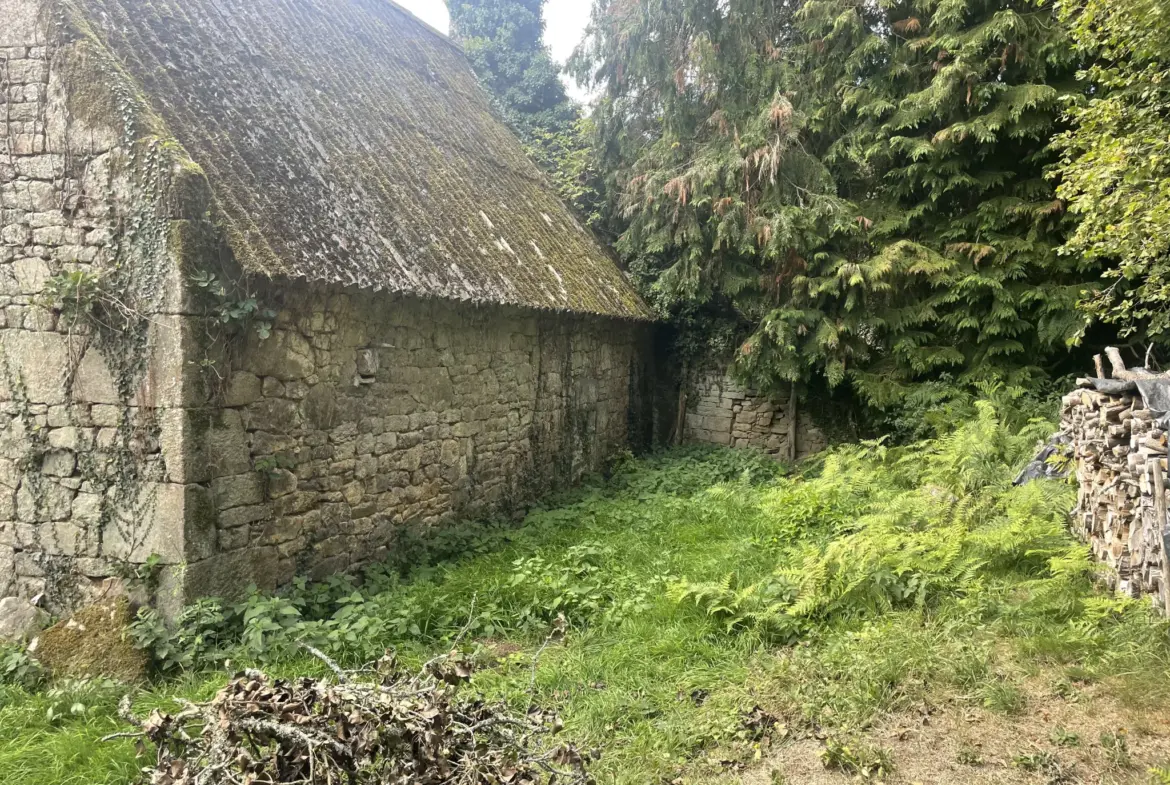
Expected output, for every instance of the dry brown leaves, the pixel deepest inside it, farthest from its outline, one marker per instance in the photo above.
(377, 725)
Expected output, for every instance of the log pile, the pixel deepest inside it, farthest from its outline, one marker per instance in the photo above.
(1119, 446)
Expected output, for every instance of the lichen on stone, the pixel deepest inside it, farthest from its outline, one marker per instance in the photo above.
(347, 143)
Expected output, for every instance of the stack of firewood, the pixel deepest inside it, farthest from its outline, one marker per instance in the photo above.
(1119, 445)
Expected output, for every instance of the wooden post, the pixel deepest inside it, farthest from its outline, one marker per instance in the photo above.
(1119, 370)
(1123, 373)
(680, 417)
(1099, 366)
(792, 415)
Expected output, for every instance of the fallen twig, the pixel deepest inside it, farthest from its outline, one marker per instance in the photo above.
(557, 631)
(329, 662)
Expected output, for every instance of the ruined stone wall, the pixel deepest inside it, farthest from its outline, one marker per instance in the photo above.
(365, 415)
(89, 487)
(721, 411)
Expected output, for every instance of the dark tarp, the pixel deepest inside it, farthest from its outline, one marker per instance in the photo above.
(1043, 467)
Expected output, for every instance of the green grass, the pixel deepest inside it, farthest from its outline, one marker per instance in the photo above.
(697, 586)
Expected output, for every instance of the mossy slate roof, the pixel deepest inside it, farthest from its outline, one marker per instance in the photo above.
(348, 143)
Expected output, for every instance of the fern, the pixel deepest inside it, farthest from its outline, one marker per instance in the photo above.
(930, 522)
(760, 606)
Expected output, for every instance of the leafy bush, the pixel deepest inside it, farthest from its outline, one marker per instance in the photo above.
(933, 409)
(1114, 171)
(19, 669)
(694, 469)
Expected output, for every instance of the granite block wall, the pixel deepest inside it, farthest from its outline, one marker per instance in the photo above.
(366, 413)
(721, 411)
(86, 421)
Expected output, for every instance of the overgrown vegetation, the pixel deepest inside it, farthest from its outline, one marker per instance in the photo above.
(1115, 173)
(502, 39)
(856, 190)
(899, 573)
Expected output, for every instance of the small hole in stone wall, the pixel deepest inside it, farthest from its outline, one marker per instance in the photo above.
(367, 367)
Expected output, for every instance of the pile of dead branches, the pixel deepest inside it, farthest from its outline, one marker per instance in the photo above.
(377, 725)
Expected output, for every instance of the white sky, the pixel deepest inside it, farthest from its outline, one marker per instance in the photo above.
(564, 22)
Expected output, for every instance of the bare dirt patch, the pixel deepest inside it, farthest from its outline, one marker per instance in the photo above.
(1057, 739)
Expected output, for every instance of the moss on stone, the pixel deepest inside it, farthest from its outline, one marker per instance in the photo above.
(93, 643)
(90, 100)
(98, 91)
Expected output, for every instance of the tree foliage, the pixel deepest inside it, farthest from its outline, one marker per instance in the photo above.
(503, 41)
(935, 119)
(718, 201)
(1115, 165)
(857, 188)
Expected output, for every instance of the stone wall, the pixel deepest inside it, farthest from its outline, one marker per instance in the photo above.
(135, 428)
(720, 411)
(366, 414)
(85, 414)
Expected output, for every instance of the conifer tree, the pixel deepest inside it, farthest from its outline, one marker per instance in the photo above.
(855, 189)
(717, 201)
(935, 119)
(503, 40)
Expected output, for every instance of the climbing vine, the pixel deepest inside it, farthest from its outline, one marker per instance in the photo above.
(113, 304)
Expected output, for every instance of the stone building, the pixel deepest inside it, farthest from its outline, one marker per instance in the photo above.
(276, 286)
